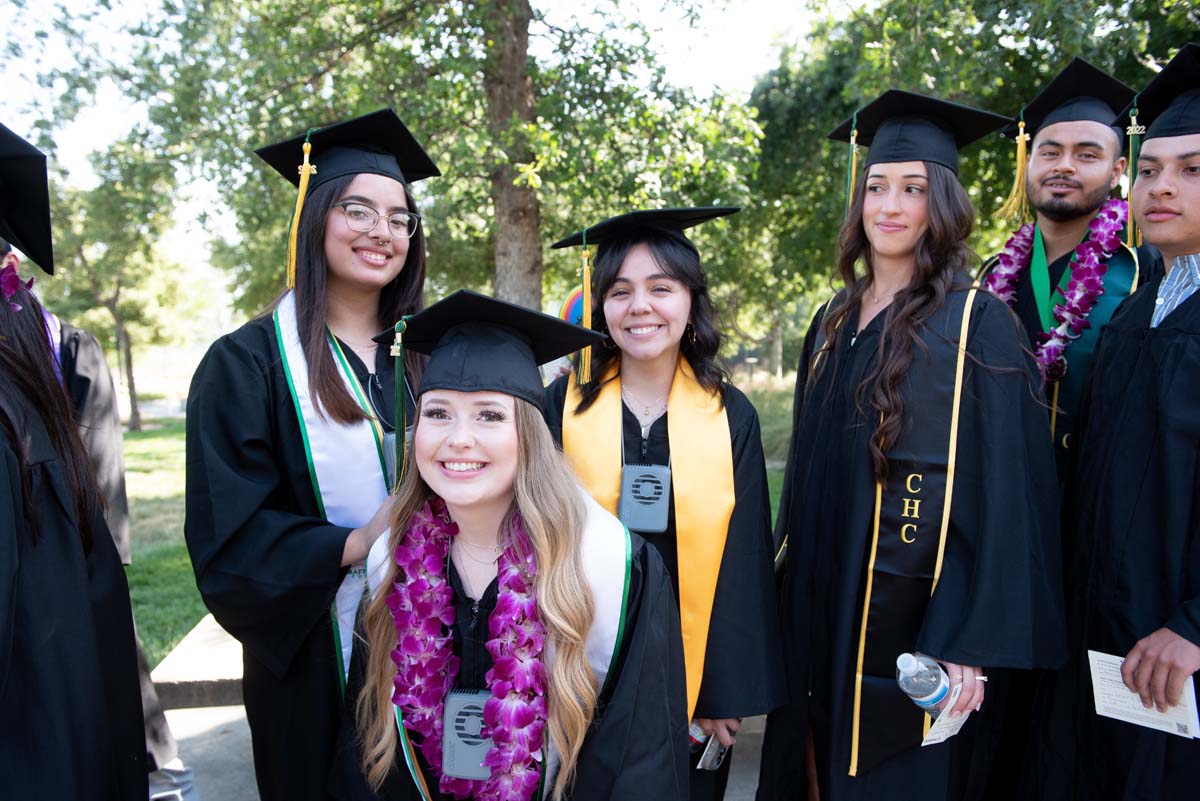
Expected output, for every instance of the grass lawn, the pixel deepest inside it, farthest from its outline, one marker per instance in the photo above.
(166, 603)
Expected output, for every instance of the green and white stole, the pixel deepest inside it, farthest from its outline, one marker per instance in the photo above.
(345, 462)
(606, 555)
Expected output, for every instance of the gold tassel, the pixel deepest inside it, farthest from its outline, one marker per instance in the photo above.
(1015, 207)
(585, 356)
(853, 162)
(1132, 232)
(306, 170)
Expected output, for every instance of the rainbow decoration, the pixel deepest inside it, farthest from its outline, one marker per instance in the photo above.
(572, 307)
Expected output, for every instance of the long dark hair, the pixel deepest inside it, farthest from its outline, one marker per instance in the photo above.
(27, 370)
(676, 256)
(942, 254)
(404, 295)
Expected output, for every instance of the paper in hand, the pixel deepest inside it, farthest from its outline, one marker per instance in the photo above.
(1115, 700)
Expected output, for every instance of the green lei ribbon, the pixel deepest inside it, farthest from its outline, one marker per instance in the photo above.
(1039, 275)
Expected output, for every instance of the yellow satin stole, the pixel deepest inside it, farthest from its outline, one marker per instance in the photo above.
(701, 486)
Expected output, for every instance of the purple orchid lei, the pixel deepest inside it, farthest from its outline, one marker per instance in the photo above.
(10, 282)
(421, 603)
(1084, 287)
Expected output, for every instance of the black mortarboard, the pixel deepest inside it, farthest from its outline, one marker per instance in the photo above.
(675, 220)
(905, 126)
(1080, 91)
(376, 143)
(25, 199)
(477, 343)
(1170, 104)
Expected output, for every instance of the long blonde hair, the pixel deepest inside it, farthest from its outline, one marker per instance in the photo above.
(548, 501)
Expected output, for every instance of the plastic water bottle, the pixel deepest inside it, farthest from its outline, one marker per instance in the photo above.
(922, 680)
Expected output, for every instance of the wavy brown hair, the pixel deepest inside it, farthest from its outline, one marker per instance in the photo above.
(548, 500)
(942, 255)
(405, 294)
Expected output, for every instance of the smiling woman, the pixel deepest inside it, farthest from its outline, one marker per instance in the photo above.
(288, 432)
(660, 437)
(518, 642)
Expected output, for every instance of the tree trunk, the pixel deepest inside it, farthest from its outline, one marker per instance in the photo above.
(123, 344)
(517, 244)
(777, 341)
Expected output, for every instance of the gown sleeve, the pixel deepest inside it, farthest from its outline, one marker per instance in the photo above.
(268, 574)
(743, 660)
(89, 385)
(783, 518)
(999, 599)
(637, 749)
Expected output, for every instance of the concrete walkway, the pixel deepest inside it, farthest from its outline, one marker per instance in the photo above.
(200, 685)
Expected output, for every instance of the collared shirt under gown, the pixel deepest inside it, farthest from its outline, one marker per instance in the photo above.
(267, 564)
(1132, 506)
(998, 603)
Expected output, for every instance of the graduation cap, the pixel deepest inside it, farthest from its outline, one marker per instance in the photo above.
(25, 199)
(1170, 104)
(377, 143)
(905, 126)
(673, 222)
(676, 220)
(477, 343)
(1081, 91)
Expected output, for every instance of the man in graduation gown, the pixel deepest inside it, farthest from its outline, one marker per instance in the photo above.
(1132, 505)
(1075, 160)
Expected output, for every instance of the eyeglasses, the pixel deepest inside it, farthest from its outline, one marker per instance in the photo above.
(361, 218)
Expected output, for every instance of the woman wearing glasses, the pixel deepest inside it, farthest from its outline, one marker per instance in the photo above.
(290, 421)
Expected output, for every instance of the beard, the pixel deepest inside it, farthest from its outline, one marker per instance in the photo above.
(1063, 210)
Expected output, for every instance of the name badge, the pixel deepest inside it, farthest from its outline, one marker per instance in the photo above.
(463, 745)
(645, 497)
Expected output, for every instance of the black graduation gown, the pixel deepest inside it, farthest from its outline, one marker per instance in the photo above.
(743, 673)
(998, 603)
(267, 564)
(637, 746)
(1133, 511)
(1016, 736)
(89, 386)
(70, 712)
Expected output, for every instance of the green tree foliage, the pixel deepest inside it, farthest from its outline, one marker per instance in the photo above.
(110, 276)
(991, 54)
(533, 142)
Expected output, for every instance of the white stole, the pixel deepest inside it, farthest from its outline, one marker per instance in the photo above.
(345, 463)
(606, 556)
